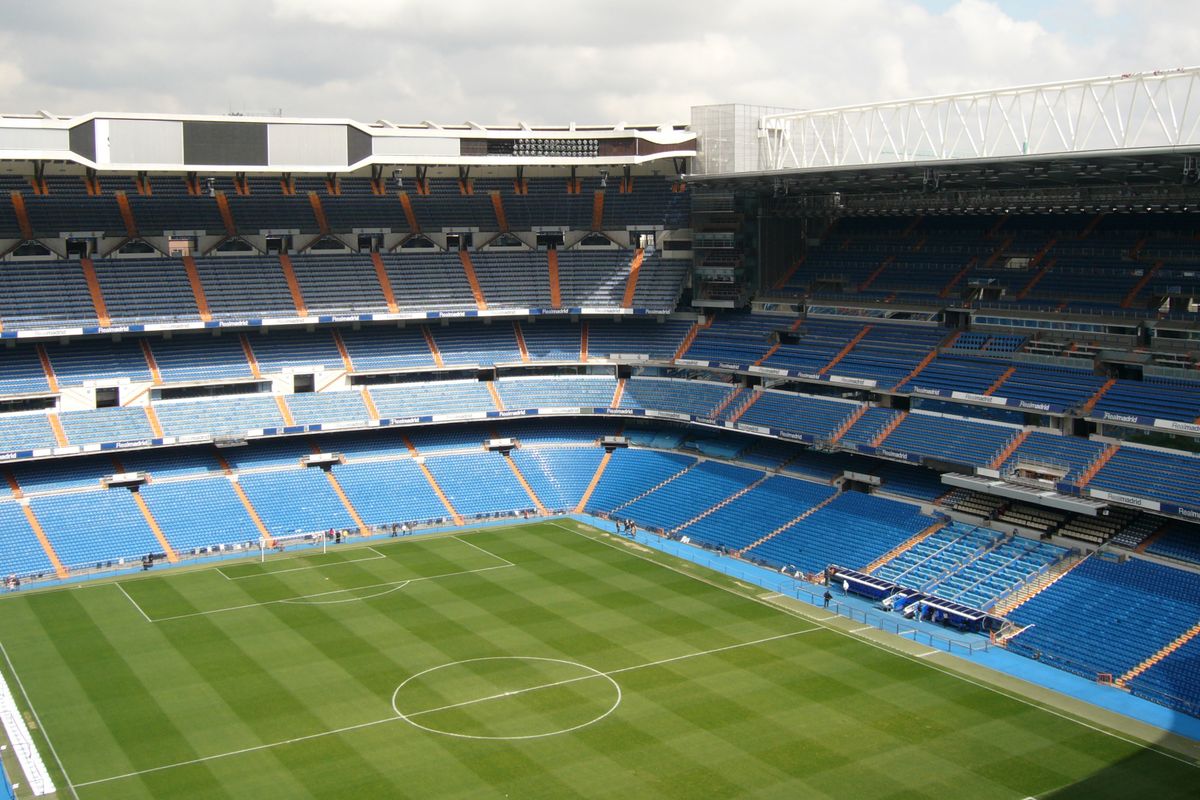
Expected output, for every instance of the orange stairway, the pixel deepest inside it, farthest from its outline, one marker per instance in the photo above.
(433, 484)
(862, 287)
(293, 284)
(369, 402)
(152, 420)
(385, 283)
(845, 351)
(472, 278)
(794, 521)
(555, 287)
(245, 499)
(341, 493)
(433, 348)
(47, 367)
(728, 401)
(887, 429)
(318, 210)
(1097, 465)
(598, 210)
(226, 214)
(22, 214)
(152, 523)
(1129, 299)
(1087, 407)
(151, 363)
(498, 209)
(745, 406)
(1010, 448)
(516, 471)
(962, 273)
(905, 546)
(587, 494)
(583, 340)
(635, 267)
(93, 284)
(249, 353)
(347, 363)
(1176, 643)
(131, 228)
(193, 274)
(1036, 279)
(284, 411)
(36, 527)
(1004, 376)
(409, 214)
(848, 423)
(620, 390)
(521, 342)
(496, 401)
(60, 434)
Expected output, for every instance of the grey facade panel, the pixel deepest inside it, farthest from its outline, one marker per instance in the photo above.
(225, 143)
(83, 140)
(358, 145)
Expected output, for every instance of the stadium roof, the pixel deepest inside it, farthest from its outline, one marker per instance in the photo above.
(1058, 132)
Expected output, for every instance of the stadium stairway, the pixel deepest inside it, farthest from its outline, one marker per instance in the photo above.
(845, 351)
(385, 282)
(657, 486)
(715, 508)
(293, 284)
(35, 525)
(516, 471)
(552, 272)
(1010, 448)
(433, 484)
(591, 487)
(635, 268)
(152, 523)
(93, 284)
(887, 429)
(790, 523)
(1015, 599)
(198, 294)
(905, 546)
(1097, 465)
(1171, 647)
(473, 280)
(341, 495)
(244, 498)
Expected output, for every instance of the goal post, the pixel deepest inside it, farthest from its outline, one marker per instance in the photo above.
(292, 542)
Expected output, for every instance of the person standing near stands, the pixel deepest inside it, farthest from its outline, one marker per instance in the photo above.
(827, 598)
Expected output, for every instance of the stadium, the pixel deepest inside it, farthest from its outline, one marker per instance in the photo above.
(822, 453)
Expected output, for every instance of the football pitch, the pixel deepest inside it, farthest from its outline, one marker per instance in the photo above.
(544, 660)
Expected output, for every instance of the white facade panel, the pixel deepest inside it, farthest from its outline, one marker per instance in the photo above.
(306, 144)
(415, 146)
(140, 141)
(33, 139)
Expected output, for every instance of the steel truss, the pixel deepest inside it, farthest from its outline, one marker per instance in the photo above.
(1138, 110)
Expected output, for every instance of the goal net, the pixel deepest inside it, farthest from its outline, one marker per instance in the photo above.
(292, 544)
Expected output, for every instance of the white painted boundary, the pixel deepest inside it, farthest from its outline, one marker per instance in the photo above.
(902, 654)
(378, 555)
(396, 718)
(319, 598)
(22, 743)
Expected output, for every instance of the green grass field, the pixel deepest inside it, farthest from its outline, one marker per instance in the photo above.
(543, 660)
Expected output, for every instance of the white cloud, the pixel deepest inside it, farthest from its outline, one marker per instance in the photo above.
(409, 60)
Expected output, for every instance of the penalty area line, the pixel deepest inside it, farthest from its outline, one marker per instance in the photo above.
(296, 600)
(378, 556)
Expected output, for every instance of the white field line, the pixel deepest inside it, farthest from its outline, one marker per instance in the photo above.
(480, 549)
(145, 616)
(294, 600)
(397, 718)
(378, 555)
(45, 733)
(901, 654)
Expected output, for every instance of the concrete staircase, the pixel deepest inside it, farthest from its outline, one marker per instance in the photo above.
(796, 521)
(1014, 600)
(739, 493)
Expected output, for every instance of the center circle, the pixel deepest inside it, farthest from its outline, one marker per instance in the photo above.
(506, 698)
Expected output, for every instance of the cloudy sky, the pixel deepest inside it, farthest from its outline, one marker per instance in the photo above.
(553, 61)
